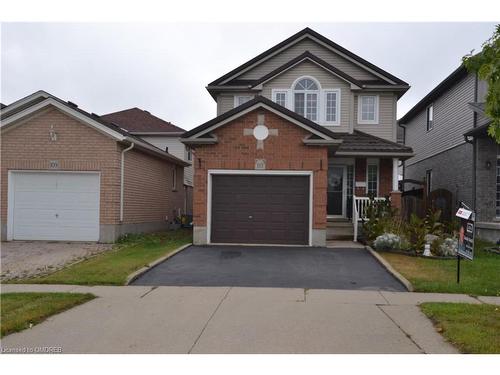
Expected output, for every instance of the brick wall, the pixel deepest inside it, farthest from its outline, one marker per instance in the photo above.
(78, 148)
(283, 152)
(148, 189)
(148, 180)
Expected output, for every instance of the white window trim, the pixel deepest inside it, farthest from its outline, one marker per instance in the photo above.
(212, 172)
(373, 162)
(174, 178)
(305, 92)
(377, 103)
(427, 128)
(325, 92)
(275, 92)
(237, 99)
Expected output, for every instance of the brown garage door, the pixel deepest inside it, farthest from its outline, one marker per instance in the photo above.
(260, 209)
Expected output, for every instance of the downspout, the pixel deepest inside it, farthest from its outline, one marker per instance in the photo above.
(122, 178)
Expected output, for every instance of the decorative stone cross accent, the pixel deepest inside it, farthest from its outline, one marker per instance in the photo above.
(260, 132)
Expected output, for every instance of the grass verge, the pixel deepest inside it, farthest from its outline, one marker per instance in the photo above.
(477, 277)
(20, 310)
(471, 328)
(113, 267)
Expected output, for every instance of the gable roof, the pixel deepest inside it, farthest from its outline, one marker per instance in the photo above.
(310, 57)
(436, 92)
(138, 121)
(32, 103)
(2, 106)
(307, 32)
(260, 102)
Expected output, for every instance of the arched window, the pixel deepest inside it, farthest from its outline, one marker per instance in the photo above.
(305, 98)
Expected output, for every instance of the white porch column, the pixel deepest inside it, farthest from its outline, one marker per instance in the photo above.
(395, 162)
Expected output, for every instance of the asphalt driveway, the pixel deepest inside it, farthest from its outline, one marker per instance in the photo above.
(276, 267)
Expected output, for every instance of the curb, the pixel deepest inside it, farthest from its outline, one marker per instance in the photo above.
(133, 276)
(390, 269)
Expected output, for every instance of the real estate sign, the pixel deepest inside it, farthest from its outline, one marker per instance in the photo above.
(466, 233)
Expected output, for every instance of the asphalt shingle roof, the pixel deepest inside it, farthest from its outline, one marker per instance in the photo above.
(136, 120)
(363, 142)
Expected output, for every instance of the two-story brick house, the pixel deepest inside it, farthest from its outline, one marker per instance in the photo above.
(304, 133)
(447, 129)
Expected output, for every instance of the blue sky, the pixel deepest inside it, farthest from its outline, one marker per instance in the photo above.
(164, 68)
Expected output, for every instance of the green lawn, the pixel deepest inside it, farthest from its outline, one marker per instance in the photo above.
(19, 310)
(471, 328)
(478, 277)
(113, 267)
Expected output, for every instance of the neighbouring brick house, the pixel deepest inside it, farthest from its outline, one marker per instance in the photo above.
(159, 133)
(70, 175)
(304, 133)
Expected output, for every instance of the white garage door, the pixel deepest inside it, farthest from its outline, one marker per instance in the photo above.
(54, 206)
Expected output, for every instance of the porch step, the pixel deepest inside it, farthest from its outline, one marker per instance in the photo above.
(339, 224)
(340, 232)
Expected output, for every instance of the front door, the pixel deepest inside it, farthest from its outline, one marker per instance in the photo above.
(335, 190)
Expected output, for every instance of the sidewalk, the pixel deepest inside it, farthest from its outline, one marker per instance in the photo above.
(136, 319)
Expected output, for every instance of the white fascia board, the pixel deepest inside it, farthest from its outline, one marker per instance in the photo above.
(25, 100)
(69, 111)
(265, 106)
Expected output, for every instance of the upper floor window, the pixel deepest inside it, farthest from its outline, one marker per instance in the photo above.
(189, 153)
(280, 98)
(430, 117)
(332, 106)
(305, 98)
(241, 99)
(368, 109)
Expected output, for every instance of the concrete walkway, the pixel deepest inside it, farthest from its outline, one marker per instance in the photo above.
(140, 319)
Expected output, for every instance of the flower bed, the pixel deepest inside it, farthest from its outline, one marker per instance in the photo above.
(384, 230)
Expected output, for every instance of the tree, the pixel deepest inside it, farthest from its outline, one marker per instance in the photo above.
(487, 66)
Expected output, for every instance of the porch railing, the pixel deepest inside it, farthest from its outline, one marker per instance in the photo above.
(359, 207)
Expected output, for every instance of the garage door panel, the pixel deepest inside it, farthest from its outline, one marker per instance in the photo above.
(260, 209)
(55, 206)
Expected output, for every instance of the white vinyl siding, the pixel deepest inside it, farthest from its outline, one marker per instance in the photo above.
(452, 118)
(316, 49)
(176, 148)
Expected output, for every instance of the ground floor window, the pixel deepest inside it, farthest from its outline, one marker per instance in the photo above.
(428, 181)
(372, 179)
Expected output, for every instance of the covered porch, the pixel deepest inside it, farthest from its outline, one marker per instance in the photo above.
(363, 168)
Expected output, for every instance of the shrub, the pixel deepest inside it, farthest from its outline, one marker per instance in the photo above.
(387, 241)
(379, 217)
(447, 248)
